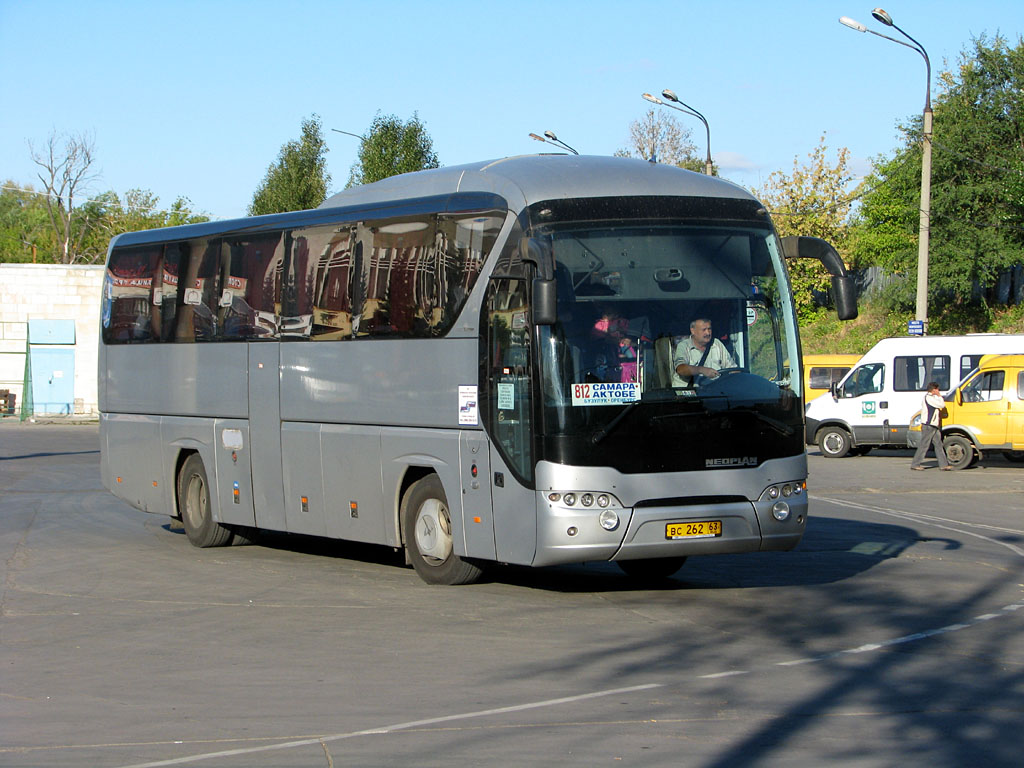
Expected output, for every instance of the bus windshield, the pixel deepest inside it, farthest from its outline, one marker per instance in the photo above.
(638, 303)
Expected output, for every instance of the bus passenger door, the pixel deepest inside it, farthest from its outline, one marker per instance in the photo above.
(265, 435)
(477, 512)
(509, 419)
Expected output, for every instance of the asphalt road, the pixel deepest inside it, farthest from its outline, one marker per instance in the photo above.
(893, 635)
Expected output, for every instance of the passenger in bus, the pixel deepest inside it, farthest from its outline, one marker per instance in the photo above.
(699, 355)
(616, 356)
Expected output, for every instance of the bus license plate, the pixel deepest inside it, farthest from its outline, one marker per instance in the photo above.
(701, 529)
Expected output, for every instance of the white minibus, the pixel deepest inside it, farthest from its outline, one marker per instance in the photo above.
(871, 407)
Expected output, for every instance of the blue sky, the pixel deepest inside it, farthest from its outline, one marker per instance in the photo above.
(196, 98)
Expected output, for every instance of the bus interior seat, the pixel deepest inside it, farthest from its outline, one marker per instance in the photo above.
(663, 354)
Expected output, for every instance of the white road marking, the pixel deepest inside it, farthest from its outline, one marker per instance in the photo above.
(866, 648)
(397, 726)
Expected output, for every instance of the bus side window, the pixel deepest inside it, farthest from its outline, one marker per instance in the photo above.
(133, 287)
(250, 286)
(195, 319)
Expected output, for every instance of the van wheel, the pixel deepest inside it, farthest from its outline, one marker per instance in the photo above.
(427, 525)
(834, 442)
(959, 451)
(194, 506)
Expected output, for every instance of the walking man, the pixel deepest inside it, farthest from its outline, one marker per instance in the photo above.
(931, 429)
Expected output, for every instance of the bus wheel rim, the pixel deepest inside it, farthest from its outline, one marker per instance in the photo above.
(433, 532)
(195, 501)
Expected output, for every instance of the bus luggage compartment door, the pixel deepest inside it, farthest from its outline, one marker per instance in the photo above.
(477, 510)
(265, 435)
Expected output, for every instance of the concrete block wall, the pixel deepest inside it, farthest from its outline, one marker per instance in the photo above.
(54, 292)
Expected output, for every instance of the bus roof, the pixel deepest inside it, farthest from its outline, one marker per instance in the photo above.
(519, 181)
(527, 179)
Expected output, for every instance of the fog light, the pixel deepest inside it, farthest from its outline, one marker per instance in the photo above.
(569, 498)
(608, 520)
(780, 511)
(572, 530)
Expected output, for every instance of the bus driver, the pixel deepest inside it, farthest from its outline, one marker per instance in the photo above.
(699, 354)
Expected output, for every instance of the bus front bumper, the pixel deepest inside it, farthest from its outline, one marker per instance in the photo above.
(670, 530)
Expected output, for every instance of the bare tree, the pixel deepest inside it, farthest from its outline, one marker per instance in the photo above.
(66, 163)
(659, 137)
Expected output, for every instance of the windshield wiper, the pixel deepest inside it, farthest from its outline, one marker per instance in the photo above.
(779, 426)
(648, 397)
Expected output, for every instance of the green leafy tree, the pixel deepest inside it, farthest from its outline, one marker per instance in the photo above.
(25, 231)
(813, 200)
(391, 147)
(137, 210)
(977, 205)
(298, 179)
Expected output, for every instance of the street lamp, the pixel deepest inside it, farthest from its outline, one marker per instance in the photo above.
(926, 157)
(671, 96)
(356, 135)
(553, 140)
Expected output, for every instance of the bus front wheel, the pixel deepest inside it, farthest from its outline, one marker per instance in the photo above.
(194, 506)
(427, 525)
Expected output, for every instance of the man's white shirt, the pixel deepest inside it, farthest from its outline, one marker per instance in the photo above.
(686, 352)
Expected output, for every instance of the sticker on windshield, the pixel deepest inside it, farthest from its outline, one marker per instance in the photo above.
(605, 393)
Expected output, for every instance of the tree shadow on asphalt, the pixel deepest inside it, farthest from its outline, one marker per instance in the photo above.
(832, 549)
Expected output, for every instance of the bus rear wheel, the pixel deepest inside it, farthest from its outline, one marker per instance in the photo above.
(656, 569)
(194, 506)
(427, 525)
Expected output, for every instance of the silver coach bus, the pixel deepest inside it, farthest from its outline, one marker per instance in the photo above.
(473, 363)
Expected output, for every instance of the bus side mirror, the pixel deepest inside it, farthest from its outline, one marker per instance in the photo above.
(844, 289)
(537, 252)
(844, 292)
(545, 300)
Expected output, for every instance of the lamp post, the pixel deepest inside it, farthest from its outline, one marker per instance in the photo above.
(924, 231)
(356, 135)
(550, 138)
(671, 96)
